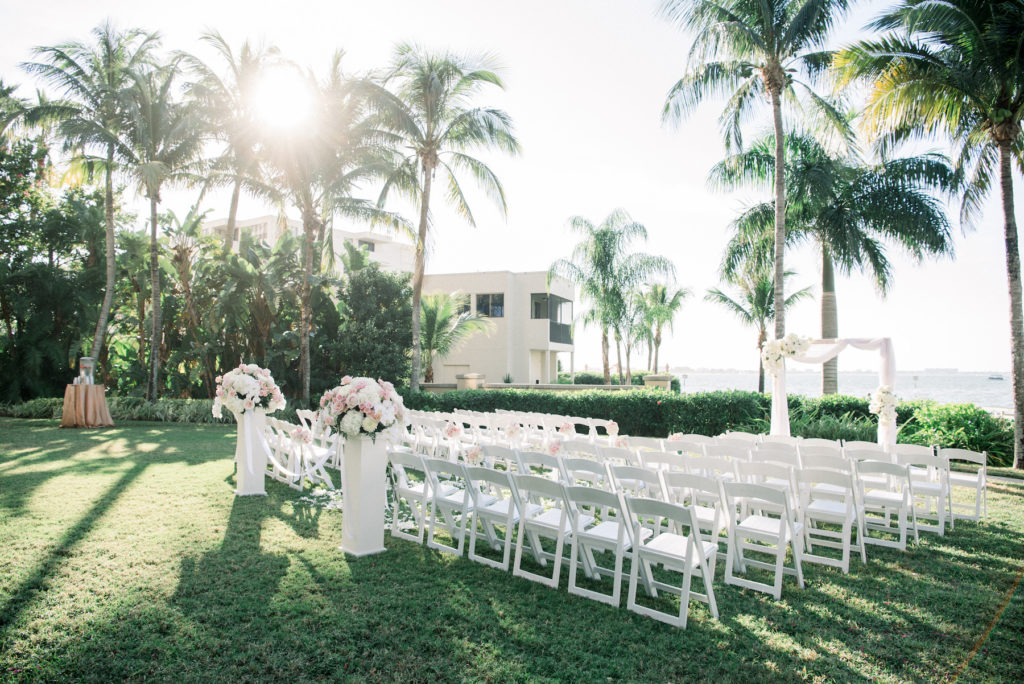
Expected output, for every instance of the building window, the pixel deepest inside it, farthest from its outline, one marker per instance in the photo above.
(538, 305)
(368, 244)
(492, 305)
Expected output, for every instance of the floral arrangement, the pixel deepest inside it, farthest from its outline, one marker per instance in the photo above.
(302, 435)
(513, 429)
(676, 437)
(612, 428)
(568, 429)
(775, 352)
(555, 447)
(364, 406)
(474, 454)
(883, 404)
(622, 442)
(452, 430)
(247, 388)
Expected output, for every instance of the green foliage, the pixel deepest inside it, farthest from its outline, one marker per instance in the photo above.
(961, 426)
(587, 378)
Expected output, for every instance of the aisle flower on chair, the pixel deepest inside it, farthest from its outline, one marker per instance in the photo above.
(474, 454)
(364, 407)
(452, 430)
(613, 428)
(247, 388)
(883, 404)
(555, 447)
(775, 352)
(568, 429)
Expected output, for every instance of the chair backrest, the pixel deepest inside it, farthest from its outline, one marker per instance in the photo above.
(497, 483)
(921, 459)
(628, 479)
(662, 516)
(815, 458)
(686, 446)
(529, 461)
(495, 455)
(897, 477)
(861, 444)
(965, 455)
(841, 485)
(732, 451)
(783, 439)
(832, 451)
(592, 473)
(540, 490)
(691, 437)
(619, 455)
(580, 449)
(740, 496)
(761, 472)
(861, 454)
(610, 504)
(711, 467)
(739, 435)
(663, 460)
(436, 468)
(645, 443)
(769, 452)
(820, 442)
(691, 488)
(908, 450)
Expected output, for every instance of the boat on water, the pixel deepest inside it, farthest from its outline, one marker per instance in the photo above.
(995, 377)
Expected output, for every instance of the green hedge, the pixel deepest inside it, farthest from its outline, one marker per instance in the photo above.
(648, 412)
(588, 378)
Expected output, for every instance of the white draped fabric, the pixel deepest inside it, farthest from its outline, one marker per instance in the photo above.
(826, 350)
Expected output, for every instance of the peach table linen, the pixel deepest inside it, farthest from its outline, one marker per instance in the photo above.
(86, 406)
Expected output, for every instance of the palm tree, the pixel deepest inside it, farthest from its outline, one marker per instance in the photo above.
(848, 207)
(440, 126)
(315, 168)
(750, 50)
(92, 81)
(955, 68)
(754, 305)
(447, 322)
(605, 267)
(162, 140)
(663, 303)
(226, 101)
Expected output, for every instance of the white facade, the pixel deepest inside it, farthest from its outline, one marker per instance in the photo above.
(392, 255)
(533, 327)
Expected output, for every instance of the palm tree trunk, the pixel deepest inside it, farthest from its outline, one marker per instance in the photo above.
(604, 356)
(650, 352)
(229, 230)
(762, 335)
(618, 354)
(417, 279)
(306, 315)
(780, 212)
(657, 347)
(108, 294)
(629, 371)
(153, 393)
(1016, 315)
(829, 320)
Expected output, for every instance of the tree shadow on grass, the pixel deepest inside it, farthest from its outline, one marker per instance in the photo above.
(36, 581)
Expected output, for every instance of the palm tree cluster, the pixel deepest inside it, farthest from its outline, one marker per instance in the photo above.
(618, 283)
(155, 121)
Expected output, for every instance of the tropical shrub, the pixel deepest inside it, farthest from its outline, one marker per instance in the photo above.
(961, 426)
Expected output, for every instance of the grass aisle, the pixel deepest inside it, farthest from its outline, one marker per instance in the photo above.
(125, 556)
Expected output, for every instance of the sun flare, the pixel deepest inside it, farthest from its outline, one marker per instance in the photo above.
(281, 99)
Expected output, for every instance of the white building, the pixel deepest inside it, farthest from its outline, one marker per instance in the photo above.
(392, 255)
(531, 326)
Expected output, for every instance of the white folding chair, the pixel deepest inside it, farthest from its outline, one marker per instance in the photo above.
(686, 447)
(553, 518)
(496, 503)
(885, 493)
(820, 442)
(733, 435)
(577, 448)
(772, 452)
(587, 472)
(775, 475)
(691, 437)
(783, 439)
(706, 499)
(613, 532)
(675, 546)
(836, 506)
(450, 509)
(861, 444)
(637, 482)
(929, 488)
(975, 481)
(539, 463)
(735, 451)
(619, 455)
(663, 460)
(761, 532)
(645, 443)
(498, 456)
(415, 494)
(717, 468)
(829, 451)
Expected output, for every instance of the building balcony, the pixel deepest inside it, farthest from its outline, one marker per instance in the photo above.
(560, 333)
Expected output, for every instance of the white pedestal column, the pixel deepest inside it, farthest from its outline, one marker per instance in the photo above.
(363, 496)
(250, 454)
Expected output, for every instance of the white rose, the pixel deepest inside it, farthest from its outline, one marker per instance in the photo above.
(369, 424)
(351, 423)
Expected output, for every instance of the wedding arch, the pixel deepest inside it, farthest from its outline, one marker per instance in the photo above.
(820, 351)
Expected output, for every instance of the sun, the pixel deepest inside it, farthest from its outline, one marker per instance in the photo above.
(281, 99)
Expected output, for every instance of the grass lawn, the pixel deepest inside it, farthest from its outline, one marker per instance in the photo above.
(125, 556)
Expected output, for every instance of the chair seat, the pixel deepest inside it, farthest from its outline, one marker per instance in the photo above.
(965, 479)
(549, 520)
(929, 488)
(766, 525)
(608, 532)
(824, 506)
(883, 498)
(456, 497)
(705, 515)
(669, 545)
(828, 489)
(499, 509)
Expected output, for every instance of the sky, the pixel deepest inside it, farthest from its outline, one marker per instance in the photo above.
(585, 84)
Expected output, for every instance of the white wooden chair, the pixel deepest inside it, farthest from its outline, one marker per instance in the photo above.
(975, 481)
(500, 457)
(637, 482)
(820, 442)
(829, 497)
(496, 503)
(613, 532)
(831, 451)
(675, 546)
(773, 452)
(554, 518)
(783, 439)
(929, 477)
(645, 443)
(734, 435)
(578, 448)
(537, 462)
(619, 456)
(686, 447)
(415, 494)
(705, 497)
(761, 532)
(663, 460)
(450, 504)
(882, 503)
(691, 437)
(589, 473)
